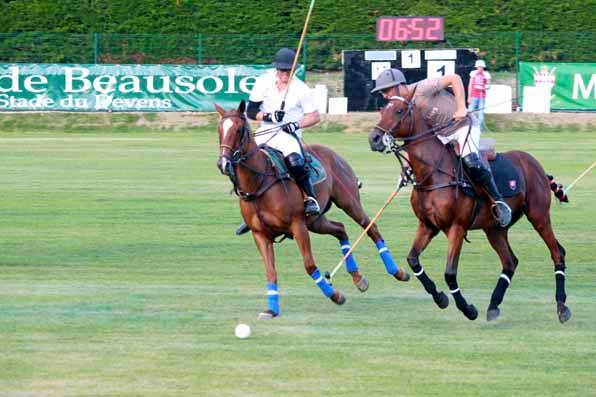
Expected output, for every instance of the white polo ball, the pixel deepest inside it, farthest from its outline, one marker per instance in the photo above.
(242, 331)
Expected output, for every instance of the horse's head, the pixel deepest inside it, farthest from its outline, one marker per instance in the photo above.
(397, 121)
(234, 135)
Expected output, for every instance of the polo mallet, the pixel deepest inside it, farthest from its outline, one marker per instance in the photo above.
(312, 4)
(568, 188)
(328, 275)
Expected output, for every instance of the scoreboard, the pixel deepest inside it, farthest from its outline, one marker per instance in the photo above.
(361, 68)
(410, 29)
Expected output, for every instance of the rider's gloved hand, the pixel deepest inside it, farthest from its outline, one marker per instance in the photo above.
(290, 128)
(278, 116)
(275, 117)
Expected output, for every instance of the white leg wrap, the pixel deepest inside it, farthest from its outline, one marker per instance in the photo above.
(504, 277)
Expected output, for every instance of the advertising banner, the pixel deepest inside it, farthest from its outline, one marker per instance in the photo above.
(130, 88)
(572, 86)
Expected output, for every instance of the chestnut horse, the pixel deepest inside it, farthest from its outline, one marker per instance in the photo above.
(272, 205)
(440, 205)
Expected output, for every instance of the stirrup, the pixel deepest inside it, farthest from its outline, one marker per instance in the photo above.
(502, 212)
(311, 206)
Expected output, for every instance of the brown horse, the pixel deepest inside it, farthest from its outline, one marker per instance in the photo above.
(440, 205)
(272, 205)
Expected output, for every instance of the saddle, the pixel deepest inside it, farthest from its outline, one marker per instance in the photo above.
(508, 179)
(317, 171)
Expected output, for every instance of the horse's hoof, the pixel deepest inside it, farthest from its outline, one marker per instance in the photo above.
(266, 315)
(492, 314)
(564, 313)
(402, 275)
(362, 284)
(442, 300)
(338, 298)
(471, 313)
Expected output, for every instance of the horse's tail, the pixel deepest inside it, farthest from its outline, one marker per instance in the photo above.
(557, 189)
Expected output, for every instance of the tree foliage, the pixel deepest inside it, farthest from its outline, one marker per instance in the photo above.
(202, 30)
(287, 16)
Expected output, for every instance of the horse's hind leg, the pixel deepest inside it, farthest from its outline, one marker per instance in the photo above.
(541, 222)
(351, 206)
(322, 225)
(424, 235)
(456, 238)
(498, 240)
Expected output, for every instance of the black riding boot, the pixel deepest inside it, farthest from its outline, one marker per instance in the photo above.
(482, 176)
(299, 171)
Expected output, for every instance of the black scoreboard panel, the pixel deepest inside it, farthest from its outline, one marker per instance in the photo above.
(362, 66)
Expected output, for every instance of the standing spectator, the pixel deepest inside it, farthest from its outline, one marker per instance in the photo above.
(479, 83)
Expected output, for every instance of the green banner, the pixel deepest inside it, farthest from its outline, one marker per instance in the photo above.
(573, 85)
(136, 88)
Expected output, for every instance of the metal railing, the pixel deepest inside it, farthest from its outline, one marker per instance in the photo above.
(502, 50)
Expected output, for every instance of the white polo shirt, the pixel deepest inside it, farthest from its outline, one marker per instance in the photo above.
(299, 100)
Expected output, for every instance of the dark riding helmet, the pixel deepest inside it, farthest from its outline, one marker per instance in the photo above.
(388, 78)
(284, 59)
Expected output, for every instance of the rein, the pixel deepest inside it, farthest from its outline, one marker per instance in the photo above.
(397, 149)
(241, 158)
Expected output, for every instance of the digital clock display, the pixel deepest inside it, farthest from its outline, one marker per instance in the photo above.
(410, 28)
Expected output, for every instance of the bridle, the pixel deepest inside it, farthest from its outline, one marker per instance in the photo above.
(390, 141)
(239, 157)
(388, 132)
(392, 145)
(243, 137)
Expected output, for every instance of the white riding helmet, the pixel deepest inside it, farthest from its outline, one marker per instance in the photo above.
(480, 64)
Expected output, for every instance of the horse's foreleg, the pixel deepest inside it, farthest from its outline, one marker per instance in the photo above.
(456, 237)
(300, 232)
(322, 225)
(541, 223)
(498, 240)
(265, 246)
(424, 235)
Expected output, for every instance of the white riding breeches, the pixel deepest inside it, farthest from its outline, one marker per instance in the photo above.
(467, 144)
(279, 140)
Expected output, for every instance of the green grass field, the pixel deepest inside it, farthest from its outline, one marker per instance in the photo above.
(120, 275)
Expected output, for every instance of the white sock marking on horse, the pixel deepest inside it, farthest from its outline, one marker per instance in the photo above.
(504, 277)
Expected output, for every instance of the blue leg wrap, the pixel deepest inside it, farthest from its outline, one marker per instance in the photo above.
(386, 257)
(325, 288)
(351, 265)
(273, 298)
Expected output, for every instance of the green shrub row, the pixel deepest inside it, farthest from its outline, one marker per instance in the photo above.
(241, 31)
